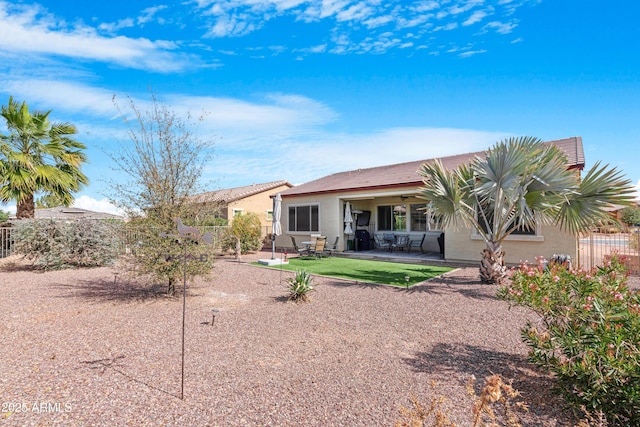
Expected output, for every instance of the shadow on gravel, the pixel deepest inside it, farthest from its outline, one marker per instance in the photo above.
(463, 285)
(468, 360)
(101, 365)
(102, 290)
(18, 264)
(348, 283)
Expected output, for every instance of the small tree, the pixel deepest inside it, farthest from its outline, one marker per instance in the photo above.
(631, 215)
(163, 161)
(246, 228)
(4, 216)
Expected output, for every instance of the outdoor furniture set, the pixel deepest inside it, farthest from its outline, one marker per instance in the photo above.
(316, 248)
(399, 242)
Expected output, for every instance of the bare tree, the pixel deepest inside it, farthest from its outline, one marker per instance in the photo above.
(164, 160)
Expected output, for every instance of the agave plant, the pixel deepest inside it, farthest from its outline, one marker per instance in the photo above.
(517, 184)
(300, 286)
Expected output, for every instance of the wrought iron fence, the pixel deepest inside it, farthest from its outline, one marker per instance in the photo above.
(129, 237)
(132, 236)
(5, 241)
(595, 247)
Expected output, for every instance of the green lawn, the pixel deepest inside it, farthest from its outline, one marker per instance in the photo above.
(386, 273)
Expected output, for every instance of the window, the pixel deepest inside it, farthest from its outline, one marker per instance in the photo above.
(237, 212)
(392, 218)
(520, 231)
(304, 218)
(269, 215)
(419, 217)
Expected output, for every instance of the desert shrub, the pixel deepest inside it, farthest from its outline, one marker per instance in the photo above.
(248, 229)
(154, 249)
(300, 286)
(588, 334)
(498, 404)
(60, 244)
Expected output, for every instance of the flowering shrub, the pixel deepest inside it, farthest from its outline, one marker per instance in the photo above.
(588, 334)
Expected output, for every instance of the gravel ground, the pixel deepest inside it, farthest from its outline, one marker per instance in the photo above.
(91, 348)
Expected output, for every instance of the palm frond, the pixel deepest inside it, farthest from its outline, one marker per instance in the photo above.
(601, 188)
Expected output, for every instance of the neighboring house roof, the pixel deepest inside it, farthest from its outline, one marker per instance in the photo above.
(63, 212)
(229, 195)
(403, 174)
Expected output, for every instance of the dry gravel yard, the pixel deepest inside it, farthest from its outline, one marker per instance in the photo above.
(92, 348)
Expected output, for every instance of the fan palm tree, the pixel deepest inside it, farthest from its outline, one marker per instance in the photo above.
(38, 156)
(518, 184)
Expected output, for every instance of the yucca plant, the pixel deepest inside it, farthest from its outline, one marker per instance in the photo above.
(300, 286)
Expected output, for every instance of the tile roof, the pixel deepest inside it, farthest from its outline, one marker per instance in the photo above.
(63, 212)
(229, 195)
(404, 174)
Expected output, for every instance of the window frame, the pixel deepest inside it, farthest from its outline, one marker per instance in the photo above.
(534, 236)
(392, 218)
(303, 205)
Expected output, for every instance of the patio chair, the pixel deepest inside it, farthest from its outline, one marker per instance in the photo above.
(416, 242)
(402, 241)
(390, 238)
(318, 249)
(298, 250)
(328, 250)
(380, 242)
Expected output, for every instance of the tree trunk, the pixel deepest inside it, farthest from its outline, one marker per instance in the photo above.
(492, 268)
(25, 208)
(238, 249)
(172, 287)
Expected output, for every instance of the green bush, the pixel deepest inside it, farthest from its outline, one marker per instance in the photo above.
(299, 286)
(588, 334)
(248, 229)
(60, 244)
(631, 215)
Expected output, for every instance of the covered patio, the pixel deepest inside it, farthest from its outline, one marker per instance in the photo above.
(395, 256)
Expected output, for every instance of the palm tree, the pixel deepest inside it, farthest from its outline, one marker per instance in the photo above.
(518, 184)
(38, 156)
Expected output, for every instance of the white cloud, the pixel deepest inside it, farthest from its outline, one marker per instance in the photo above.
(8, 208)
(470, 53)
(345, 19)
(29, 30)
(500, 27)
(475, 17)
(333, 153)
(102, 205)
(260, 136)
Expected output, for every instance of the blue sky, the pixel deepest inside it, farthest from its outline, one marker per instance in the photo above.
(296, 90)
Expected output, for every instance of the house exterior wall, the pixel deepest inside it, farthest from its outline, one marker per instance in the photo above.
(329, 217)
(460, 245)
(259, 203)
(463, 245)
(331, 213)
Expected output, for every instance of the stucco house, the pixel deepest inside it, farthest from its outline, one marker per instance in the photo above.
(386, 200)
(231, 202)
